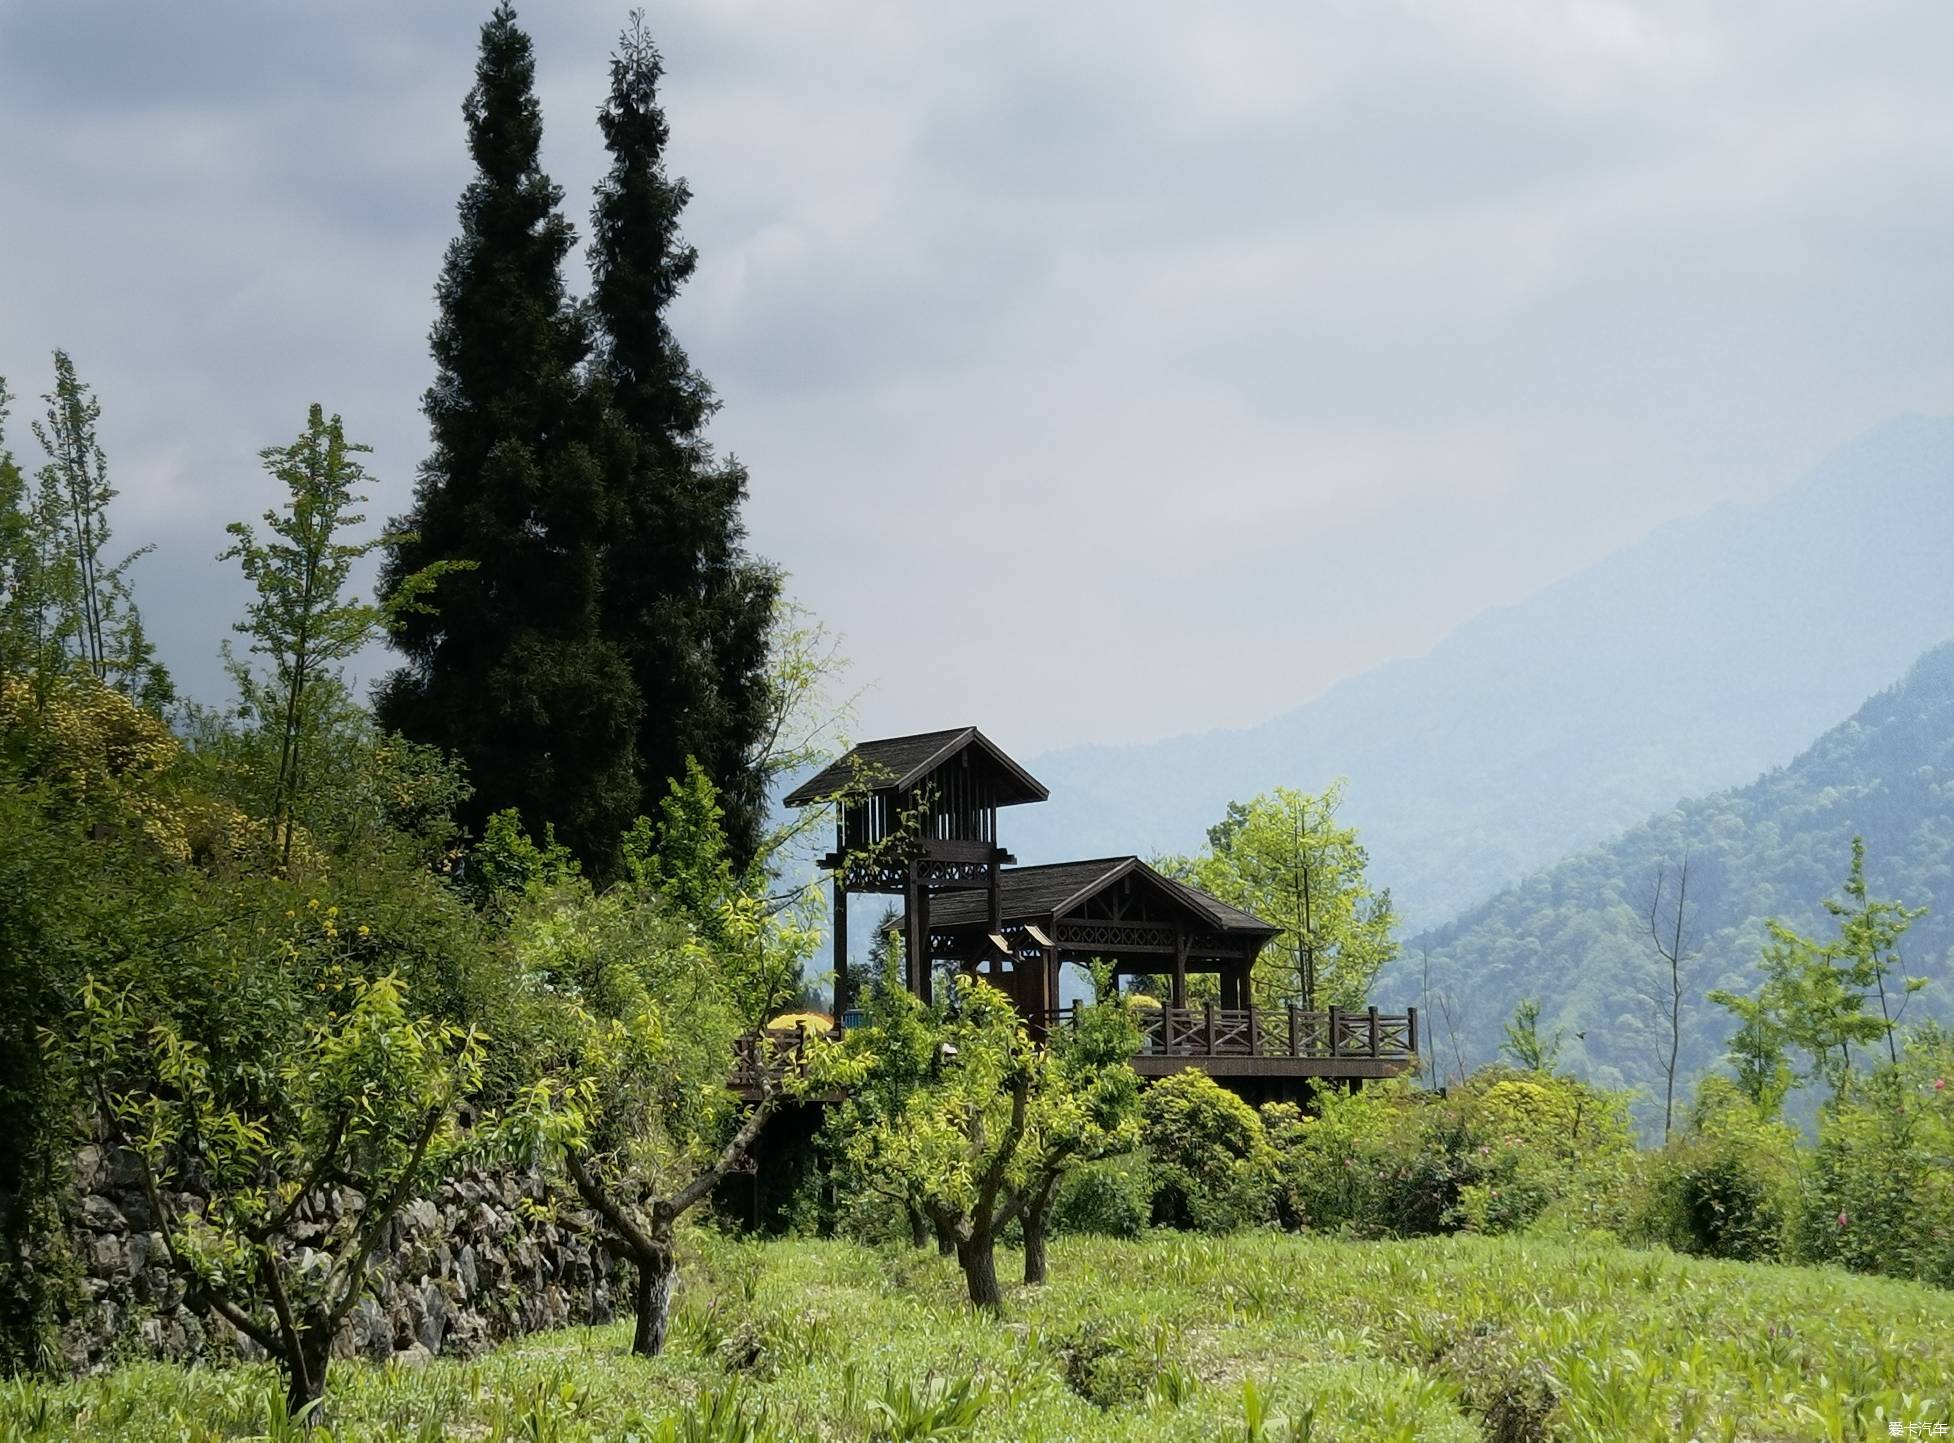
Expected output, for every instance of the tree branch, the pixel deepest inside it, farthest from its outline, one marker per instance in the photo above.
(669, 1210)
(620, 1222)
(993, 1175)
(354, 1253)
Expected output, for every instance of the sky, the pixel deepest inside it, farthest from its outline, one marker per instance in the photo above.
(1105, 371)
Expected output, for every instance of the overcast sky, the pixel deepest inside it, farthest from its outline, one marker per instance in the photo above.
(1104, 370)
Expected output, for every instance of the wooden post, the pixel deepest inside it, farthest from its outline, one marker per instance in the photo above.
(1254, 1032)
(1373, 1024)
(1167, 1030)
(1295, 1033)
(1336, 1026)
(841, 944)
(1411, 1030)
(926, 972)
(1178, 995)
(1049, 988)
(1208, 1008)
(912, 944)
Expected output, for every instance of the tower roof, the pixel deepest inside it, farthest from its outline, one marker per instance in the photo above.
(899, 763)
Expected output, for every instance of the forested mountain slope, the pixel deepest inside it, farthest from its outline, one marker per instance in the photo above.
(1713, 649)
(1576, 935)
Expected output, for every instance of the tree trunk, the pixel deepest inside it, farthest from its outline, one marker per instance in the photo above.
(1037, 1213)
(978, 1259)
(657, 1281)
(946, 1239)
(919, 1228)
(305, 1377)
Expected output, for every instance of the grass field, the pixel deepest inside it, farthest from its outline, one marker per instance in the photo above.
(1172, 1338)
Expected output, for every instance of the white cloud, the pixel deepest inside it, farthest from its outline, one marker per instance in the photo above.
(1288, 336)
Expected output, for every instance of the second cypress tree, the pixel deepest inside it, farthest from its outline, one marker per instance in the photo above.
(512, 671)
(683, 597)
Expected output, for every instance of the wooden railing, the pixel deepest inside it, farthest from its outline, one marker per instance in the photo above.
(1191, 1032)
(779, 1050)
(1265, 1031)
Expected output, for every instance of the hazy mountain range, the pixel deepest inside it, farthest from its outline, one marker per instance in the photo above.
(1576, 936)
(1713, 649)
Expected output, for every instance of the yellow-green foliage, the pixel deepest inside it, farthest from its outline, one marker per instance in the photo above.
(1503, 1151)
(99, 753)
(1212, 1164)
(1176, 1339)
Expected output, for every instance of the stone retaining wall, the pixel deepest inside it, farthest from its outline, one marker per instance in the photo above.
(475, 1263)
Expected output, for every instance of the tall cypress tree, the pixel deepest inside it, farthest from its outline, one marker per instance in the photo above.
(510, 670)
(683, 597)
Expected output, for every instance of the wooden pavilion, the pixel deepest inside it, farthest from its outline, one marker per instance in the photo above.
(917, 817)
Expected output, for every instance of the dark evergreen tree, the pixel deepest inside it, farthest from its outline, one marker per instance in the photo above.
(690, 606)
(510, 670)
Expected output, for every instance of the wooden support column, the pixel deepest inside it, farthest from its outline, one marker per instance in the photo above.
(913, 939)
(1177, 996)
(925, 970)
(1050, 987)
(841, 945)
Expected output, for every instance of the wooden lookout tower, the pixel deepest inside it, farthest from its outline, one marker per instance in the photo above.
(917, 817)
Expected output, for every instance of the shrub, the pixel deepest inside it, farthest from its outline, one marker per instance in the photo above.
(1213, 1168)
(1331, 1168)
(1112, 1198)
(1502, 1152)
(1879, 1196)
(1728, 1186)
(1110, 1366)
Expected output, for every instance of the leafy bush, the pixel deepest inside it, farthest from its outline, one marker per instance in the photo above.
(1112, 1198)
(1728, 1186)
(1504, 1151)
(1213, 1168)
(1879, 1196)
(1110, 1366)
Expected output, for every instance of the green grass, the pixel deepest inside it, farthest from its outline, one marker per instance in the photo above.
(1173, 1338)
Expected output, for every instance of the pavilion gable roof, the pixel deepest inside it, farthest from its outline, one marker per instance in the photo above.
(900, 763)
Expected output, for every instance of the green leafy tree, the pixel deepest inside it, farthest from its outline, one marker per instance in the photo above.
(1757, 1052)
(1530, 1051)
(971, 1123)
(657, 987)
(83, 599)
(359, 1106)
(690, 607)
(1285, 857)
(513, 674)
(1816, 996)
(905, 1051)
(16, 555)
(1091, 1110)
(1870, 929)
(1879, 1194)
(683, 857)
(301, 621)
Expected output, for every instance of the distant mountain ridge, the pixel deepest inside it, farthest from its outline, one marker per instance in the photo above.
(1575, 936)
(1541, 728)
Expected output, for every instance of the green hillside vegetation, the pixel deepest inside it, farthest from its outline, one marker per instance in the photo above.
(1577, 936)
(1254, 1337)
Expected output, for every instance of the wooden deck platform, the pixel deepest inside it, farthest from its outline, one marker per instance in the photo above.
(1269, 1042)
(1224, 1042)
